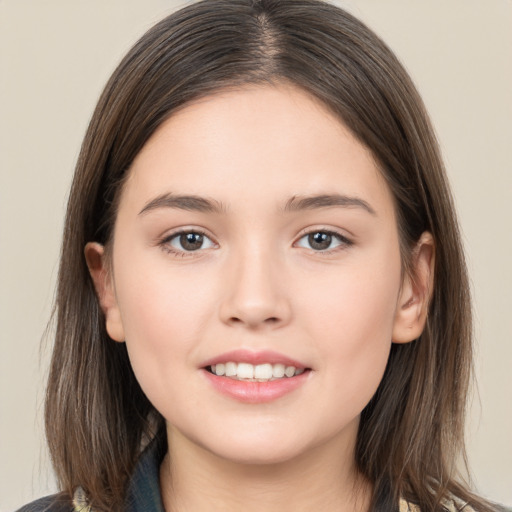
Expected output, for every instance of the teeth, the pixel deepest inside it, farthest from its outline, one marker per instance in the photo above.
(245, 371)
(289, 371)
(259, 372)
(278, 370)
(263, 371)
(230, 369)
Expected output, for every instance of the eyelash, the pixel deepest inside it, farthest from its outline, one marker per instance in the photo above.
(165, 243)
(343, 244)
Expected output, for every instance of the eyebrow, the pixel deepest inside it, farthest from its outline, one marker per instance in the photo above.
(184, 202)
(297, 203)
(294, 204)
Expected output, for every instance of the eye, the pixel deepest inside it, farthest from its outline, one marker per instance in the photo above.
(187, 241)
(322, 240)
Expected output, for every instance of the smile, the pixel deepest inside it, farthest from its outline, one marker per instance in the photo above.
(265, 372)
(255, 377)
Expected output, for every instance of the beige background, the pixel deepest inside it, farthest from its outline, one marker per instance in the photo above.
(55, 56)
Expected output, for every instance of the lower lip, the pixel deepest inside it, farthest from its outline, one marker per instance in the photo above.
(256, 392)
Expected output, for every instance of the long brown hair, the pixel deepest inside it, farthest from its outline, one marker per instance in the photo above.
(411, 433)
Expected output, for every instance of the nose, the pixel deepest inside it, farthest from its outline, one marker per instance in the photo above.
(256, 294)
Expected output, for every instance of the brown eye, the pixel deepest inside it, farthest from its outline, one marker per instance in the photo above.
(319, 241)
(189, 241)
(323, 241)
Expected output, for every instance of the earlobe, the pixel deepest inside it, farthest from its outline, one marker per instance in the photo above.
(416, 292)
(103, 283)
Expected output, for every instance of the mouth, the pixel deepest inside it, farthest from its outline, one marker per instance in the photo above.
(255, 377)
(266, 372)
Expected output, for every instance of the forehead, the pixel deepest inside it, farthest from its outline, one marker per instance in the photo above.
(257, 143)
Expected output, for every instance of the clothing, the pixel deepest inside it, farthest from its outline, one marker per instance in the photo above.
(144, 490)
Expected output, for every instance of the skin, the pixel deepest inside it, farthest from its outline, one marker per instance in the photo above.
(257, 283)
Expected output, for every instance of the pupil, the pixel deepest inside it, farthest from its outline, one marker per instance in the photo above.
(191, 241)
(320, 241)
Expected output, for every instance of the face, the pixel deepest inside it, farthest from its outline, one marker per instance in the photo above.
(256, 236)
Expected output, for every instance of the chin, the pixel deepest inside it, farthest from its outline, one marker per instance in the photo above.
(263, 440)
(259, 454)
(258, 446)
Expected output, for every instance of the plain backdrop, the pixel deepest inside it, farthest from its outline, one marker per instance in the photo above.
(56, 55)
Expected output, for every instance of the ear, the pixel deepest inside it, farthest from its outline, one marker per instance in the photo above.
(416, 291)
(104, 285)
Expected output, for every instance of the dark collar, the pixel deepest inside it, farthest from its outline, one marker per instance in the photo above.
(143, 493)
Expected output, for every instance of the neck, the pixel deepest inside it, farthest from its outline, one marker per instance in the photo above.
(194, 479)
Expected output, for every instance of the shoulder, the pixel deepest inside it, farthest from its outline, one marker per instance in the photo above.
(54, 503)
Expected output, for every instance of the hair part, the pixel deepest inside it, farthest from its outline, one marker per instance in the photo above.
(411, 433)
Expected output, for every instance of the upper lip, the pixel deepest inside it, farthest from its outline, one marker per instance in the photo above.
(254, 358)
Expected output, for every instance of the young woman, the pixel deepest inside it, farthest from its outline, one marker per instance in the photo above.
(262, 301)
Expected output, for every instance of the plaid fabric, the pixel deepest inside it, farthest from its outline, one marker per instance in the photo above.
(452, 506)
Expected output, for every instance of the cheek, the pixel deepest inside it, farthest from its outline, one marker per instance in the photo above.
(359, 335)
(157, 302)
(355, 304)
(353, 323)
(163, 317)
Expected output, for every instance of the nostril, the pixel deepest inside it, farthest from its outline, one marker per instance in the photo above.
(271, 320)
